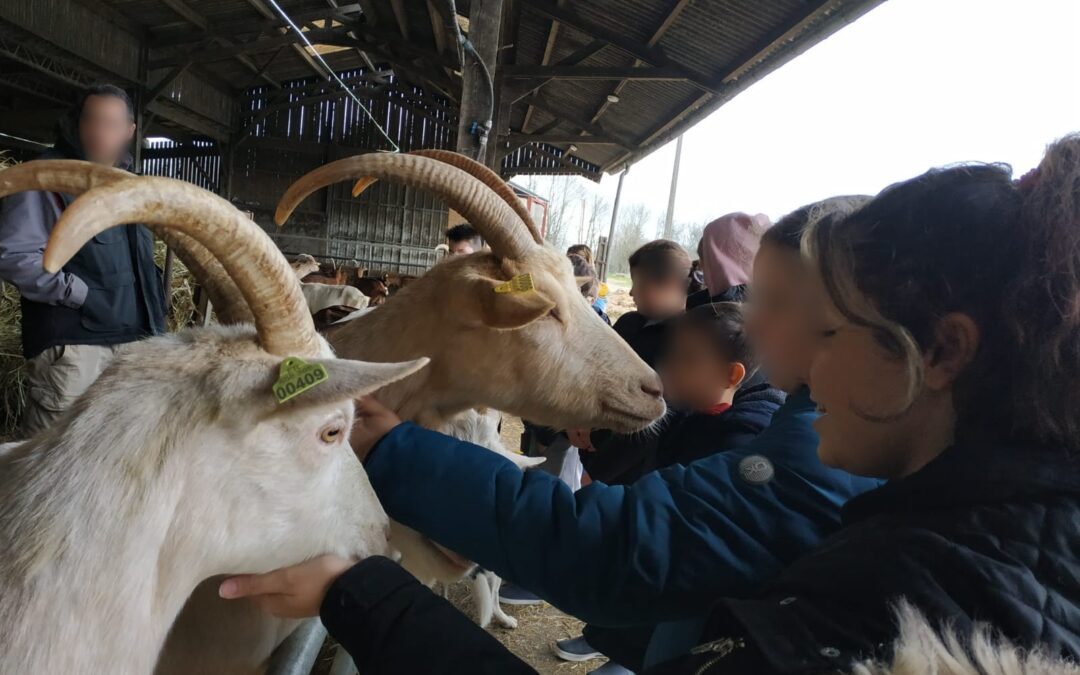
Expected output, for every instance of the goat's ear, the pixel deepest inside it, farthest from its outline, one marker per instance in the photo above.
(507, 310)
(348, 379)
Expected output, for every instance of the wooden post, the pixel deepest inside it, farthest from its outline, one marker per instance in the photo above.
(477, 101)
(669, 221)
(604, 266)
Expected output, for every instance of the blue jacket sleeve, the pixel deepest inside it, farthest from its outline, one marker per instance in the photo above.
(660, 549)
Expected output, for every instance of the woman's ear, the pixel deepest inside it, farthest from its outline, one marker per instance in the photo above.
(956, 341)
(736, 374)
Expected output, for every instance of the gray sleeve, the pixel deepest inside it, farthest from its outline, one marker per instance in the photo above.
(26, 219)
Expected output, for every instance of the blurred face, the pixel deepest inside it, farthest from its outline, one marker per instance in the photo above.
(867, 426)
(463, 247)
(782, 316)
(657, 299)
(695, 374)
(105, 129)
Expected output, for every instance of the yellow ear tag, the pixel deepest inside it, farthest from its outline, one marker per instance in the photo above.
(518, 284)
(297, 376)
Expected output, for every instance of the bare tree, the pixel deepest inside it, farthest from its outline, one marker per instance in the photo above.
(688, 235)
(629, 235)
(565, 195)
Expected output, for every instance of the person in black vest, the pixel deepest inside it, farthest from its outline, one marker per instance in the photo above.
(109, 294)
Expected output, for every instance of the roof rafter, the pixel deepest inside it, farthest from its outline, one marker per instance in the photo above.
(193, 17)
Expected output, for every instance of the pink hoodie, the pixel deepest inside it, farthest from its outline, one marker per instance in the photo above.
(728, 246)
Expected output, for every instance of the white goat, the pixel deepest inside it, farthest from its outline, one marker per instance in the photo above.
(178, 463)
(548, 358)
(480, 427)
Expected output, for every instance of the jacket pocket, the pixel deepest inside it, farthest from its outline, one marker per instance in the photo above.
(110, 303)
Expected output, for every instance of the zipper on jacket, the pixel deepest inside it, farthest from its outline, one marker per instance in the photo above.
(722, 648)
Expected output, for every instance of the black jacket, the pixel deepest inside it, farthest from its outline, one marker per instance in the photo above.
(987, 534)
(621, 459)
(691, 436)
(646, 337)
(125, 299)
(391, 623)
(738, 293)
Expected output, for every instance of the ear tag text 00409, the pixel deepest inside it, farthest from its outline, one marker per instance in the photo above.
(520, 283)
(297, 376)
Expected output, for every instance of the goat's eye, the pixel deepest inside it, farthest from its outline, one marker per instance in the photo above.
(555, 315)
(331, 434)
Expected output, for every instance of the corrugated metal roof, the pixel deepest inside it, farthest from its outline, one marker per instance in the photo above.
(716, 48)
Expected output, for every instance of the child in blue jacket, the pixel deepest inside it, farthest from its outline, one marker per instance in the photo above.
(661, 549)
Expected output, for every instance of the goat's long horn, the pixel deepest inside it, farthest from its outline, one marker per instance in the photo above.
(477, 171)
(74, 177)
(491, 216)
(245, 252)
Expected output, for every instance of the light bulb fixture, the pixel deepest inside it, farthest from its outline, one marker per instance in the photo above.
(573, 148)
(612, 98)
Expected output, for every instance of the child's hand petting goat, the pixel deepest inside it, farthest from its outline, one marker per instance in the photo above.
(294, 592)
(373, 421)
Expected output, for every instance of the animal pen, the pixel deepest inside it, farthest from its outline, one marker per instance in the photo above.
(241, 97)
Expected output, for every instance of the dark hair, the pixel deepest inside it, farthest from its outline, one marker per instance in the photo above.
(102, 89)
(585, 274)
(582, 250)
(661, 260)
(723, 324)
(787, 233)
(968, 239)
(462, 232)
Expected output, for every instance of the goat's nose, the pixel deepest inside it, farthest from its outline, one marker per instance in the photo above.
(652, 388)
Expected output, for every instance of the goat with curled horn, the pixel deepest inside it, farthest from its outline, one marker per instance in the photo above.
(179, 463)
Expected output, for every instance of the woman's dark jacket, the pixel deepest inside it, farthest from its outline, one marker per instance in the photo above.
(981, 534)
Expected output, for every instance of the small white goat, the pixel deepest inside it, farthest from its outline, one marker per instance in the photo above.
(480, 427)
(178, 463)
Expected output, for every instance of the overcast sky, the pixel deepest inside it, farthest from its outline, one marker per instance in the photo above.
(912, 84)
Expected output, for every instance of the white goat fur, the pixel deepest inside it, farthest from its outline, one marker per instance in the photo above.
(543, 355)
(921, 650)
(176, 465)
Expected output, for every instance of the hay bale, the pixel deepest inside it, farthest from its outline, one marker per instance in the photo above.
(12, 364)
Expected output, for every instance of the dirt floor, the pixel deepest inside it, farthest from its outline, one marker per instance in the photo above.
(539, 626)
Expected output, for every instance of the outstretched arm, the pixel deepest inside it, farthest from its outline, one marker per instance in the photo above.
(663, 548)
(387, 620)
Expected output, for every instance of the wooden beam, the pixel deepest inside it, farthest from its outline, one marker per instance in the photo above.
(669, 20)
(115, 17)
(580, 54)
(332, 36)
(559, 112)
(165, 83)
(247, 27)
(300, 51)
(549, 49)
(646, 53)
(591, 73)
(558, 139)
(477, 100)
(193, 17)
(401, 18)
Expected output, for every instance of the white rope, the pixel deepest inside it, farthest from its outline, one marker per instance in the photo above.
(330, 71)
